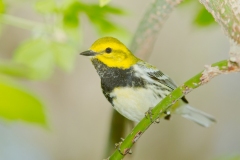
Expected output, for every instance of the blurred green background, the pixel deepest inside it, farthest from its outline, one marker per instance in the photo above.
(51, 105)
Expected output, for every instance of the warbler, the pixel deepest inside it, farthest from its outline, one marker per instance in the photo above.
(134, 86)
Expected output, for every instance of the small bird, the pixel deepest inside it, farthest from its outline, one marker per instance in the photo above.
(134, 86)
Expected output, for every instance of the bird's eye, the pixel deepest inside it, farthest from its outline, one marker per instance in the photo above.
(108, 50)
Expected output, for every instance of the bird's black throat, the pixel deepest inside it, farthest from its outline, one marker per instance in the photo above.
(112, 77)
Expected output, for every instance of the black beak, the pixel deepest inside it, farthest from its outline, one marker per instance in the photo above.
(88, 53)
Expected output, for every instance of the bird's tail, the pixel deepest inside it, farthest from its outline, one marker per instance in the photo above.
(195, 115)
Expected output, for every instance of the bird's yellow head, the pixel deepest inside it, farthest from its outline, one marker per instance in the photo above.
(111, 52)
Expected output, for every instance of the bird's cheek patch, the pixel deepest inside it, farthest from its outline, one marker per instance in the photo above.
(120, 57)
(104, 56)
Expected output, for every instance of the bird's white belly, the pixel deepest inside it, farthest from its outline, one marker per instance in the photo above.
(133, 103)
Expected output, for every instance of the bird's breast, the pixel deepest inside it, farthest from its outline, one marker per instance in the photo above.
(133, 103)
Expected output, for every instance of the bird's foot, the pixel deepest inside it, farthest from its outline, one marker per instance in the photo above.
(167, 115)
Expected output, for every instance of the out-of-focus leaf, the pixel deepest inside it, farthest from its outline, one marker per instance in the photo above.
(64, 55)
(36, 55)
(102, 22)
(93, 9)
(70, 17)
(46, 6)
(184, 2)
(103, 2)
(113, 10)
(41, 55)
(18, 104)
(204, 18)
(105, 26)
(2, 6)
(13, 70)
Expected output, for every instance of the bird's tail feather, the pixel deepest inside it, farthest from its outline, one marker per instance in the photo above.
(195, 115)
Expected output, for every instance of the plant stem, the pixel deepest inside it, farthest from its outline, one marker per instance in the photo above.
(226, 13)
(117, 127)
(149, 27)
(203, 77)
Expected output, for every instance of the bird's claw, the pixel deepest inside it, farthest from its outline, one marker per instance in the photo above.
(168, 115)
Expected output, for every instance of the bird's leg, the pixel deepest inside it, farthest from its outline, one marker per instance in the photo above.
(168, 115)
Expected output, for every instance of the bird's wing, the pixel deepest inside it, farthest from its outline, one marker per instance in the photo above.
(156, 75)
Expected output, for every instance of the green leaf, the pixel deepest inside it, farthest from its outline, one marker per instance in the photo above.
(93, 10)
(46, 6)
(97, 15)
(102, 23)
(113, 10)
(13, 70)
(103, 2)
(70, 15)
(2, 6)
(204, 18)
(18, 104)
(185, 2)
(36, 55)
(40, 56)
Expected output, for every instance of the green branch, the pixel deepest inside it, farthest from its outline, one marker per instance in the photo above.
(203, 77)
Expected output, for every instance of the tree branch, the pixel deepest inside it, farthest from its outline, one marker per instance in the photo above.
(227, 14)
(149, 27)
(222, 67)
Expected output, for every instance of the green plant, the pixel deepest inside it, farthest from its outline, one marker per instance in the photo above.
(53, 43)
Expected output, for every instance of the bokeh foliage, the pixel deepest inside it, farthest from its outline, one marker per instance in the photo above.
(53, 43)
(19, 104)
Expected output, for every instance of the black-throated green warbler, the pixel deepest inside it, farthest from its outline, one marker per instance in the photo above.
(133, 86)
